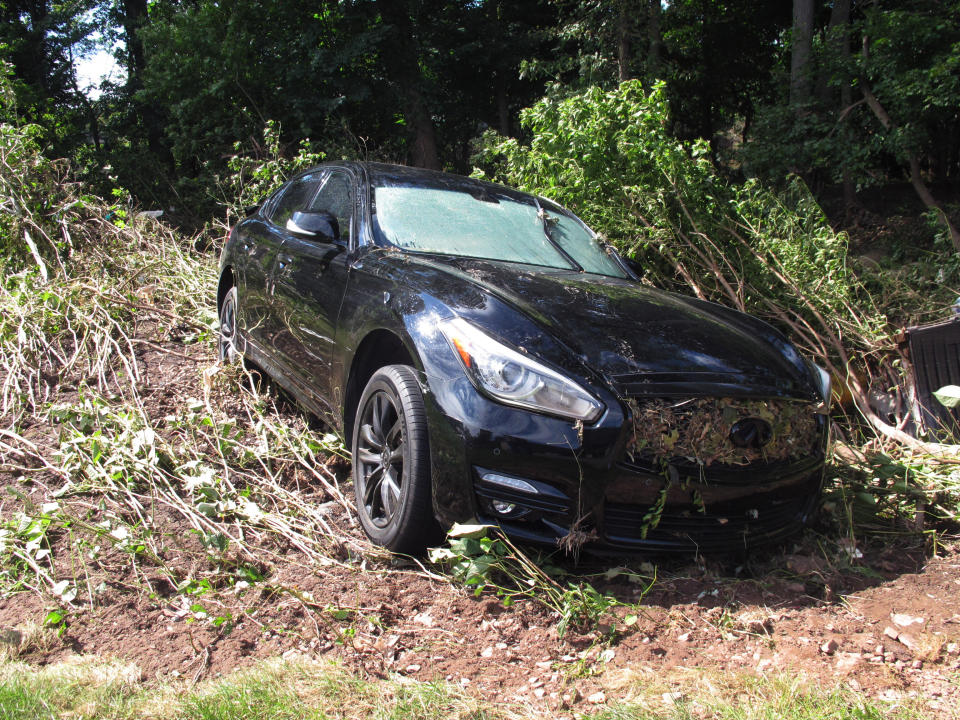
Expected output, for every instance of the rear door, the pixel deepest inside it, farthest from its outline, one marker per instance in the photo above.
(311, 279)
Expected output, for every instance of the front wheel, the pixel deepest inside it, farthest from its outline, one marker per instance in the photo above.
(391, 461)
(227, 341)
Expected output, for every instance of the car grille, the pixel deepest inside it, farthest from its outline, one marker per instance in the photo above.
(756, 473)
(696, 433)
(684, 484)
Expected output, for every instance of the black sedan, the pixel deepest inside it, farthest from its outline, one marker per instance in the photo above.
(489, 358)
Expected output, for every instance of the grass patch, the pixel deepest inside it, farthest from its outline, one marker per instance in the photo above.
(274, 690)
(300, 689)
(781, 697)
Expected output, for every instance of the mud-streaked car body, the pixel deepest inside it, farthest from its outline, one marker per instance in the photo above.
(488, 358)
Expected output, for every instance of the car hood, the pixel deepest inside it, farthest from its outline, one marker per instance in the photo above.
(640, 339)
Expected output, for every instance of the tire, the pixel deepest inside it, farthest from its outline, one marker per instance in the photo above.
(391, 462)
(227, 340)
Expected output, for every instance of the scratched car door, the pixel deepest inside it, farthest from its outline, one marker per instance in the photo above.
(310, 283)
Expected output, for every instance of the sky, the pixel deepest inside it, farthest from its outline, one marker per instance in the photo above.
(94, 69)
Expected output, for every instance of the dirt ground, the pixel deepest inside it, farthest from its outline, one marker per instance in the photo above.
(882, 618)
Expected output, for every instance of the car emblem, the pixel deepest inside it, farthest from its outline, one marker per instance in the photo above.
(752, 433)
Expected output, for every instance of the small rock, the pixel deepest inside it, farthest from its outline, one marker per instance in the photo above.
(501, 646)
(606, 656)
(889, 657)
(412, 668)
(906, 621)
(538, 693)
(486, 652)
(534, 682)
(759, 626)
(671, 697)
(908, 640)
(891, 632)
(854, 685)
(597, 698)
(916, 665)
(829, 647)
(953, 648)
(544, 664)
(878, 650)
(570, 698)
(568, 658)
(424, 619)
(684, 637)
(848, 660)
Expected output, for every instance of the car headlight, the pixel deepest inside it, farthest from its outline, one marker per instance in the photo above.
(515, 379)
(823, 381)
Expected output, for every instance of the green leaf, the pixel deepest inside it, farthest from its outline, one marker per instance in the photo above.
(467, 531)
(948, 396)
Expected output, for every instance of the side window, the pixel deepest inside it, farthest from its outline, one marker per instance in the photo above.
(336, 198)
(294, 198)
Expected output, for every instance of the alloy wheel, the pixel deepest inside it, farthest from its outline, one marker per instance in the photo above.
(380, 452)
(227, 344)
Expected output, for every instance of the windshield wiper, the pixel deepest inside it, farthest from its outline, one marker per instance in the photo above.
(545, 222)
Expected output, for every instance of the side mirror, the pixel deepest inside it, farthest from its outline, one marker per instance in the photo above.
(320, 225)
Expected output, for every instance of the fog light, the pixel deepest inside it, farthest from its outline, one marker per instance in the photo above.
(503, 508)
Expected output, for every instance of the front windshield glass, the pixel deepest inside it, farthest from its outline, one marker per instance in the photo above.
(480, 222)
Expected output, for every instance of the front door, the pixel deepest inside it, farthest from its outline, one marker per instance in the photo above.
(310, 286)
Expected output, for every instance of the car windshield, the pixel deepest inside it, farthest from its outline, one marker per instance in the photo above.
(478, 221)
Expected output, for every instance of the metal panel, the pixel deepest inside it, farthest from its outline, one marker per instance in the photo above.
(935, 354)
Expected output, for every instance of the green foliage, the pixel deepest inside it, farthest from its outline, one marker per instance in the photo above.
(907, 54)
(481, 557)
(893, 493)
(254, 176)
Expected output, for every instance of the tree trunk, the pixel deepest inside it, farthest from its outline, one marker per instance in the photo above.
(134, 15)
(401, 55)
(623, 41)
(655, 41)
(38, 13)
(916, 178)
(840, 46)
(801, 50)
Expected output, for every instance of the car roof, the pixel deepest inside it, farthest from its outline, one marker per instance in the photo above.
(378, 173)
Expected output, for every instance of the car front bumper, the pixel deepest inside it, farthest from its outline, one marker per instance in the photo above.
(576, 486)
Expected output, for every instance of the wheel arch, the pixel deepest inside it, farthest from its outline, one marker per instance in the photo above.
(379, 348)
(223, 286)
